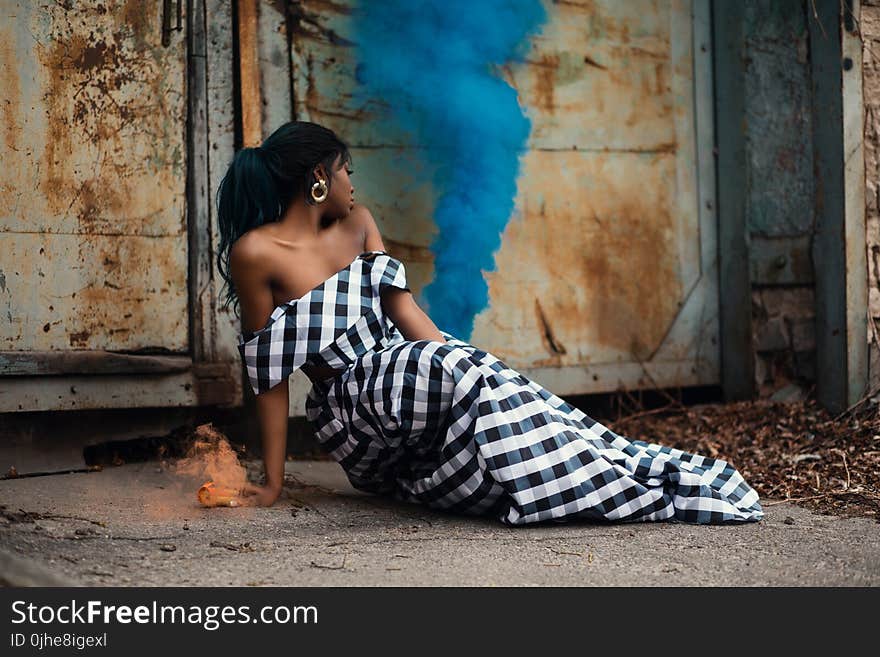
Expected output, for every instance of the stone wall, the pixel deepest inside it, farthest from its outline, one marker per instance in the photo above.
(783, 324)
(870, 30)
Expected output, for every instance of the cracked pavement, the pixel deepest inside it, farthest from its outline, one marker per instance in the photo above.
(140, 525)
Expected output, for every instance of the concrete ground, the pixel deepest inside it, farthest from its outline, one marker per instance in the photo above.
(139, 524)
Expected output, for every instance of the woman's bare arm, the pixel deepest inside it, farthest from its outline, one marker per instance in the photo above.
(272, 411)
(413, 323)
(251, 280)
(399, 305)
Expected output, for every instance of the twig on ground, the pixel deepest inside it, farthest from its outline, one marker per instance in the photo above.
(88, 537)
(672, 400)
(845, 467)
(30, 516)
(669, 408)
(144, 538)
(816, 497)
(50, 473)
(243, 547)
(795, 499)
(637, 406)
(313, 507)
(318, 565)
(861, 401)
(574, 554)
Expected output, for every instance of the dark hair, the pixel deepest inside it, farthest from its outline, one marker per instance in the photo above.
(263, 181)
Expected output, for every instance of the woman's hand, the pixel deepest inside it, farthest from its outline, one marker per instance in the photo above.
(259, 495)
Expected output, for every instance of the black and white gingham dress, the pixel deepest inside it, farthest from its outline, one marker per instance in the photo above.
(451, 426)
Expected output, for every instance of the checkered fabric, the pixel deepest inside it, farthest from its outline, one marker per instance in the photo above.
(451, 426)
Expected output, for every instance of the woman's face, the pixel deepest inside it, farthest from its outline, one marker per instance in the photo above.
(340, 199)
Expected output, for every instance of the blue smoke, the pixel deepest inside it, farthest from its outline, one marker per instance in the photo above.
(431, 62)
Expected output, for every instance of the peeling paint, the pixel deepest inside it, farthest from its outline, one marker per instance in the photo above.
(92, 191)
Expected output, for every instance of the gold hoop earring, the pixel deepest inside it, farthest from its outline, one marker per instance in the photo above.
(323, 194)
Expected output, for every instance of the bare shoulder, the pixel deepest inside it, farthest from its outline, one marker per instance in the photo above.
(247, 252)
(247, 249)
(249, 266)
(361, 216)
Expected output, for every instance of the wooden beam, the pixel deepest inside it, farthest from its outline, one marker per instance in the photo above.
(839, 255)
(249, 70)
(88, 361)
(735, 306)
(220, 147)
(200, 306)
(197, 387)
(855, 231)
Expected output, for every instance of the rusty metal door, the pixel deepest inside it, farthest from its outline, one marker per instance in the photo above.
(93, 271)
(607, 271)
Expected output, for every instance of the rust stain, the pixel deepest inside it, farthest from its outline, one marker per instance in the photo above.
(649, 54)
(609, 23)
(545, 82)
(626, 46)
(602, 258)
(78, 338)
(547, 336)
(631, 272)
(588, 5)
(661, 78)
(104, 90)
(281, 6)
(312, 100)
(10, 104)
(322, 7)
(307, 21)
(105, 121)
(10, 110)
(116, 287)
(409, 252)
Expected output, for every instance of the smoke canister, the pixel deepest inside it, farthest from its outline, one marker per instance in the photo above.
(211, 495)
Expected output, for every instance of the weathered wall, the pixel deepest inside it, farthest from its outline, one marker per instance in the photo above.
(92, 186)
(870, 28)
(779, 195)
(107, 291)
(606, 272)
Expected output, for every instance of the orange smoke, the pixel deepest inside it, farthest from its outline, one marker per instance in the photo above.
(211, 457)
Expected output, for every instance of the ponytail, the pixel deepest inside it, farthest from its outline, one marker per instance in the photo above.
(261, 183)
(247, 197)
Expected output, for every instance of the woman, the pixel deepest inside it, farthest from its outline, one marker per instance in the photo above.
(407, 409)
